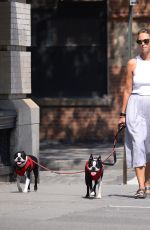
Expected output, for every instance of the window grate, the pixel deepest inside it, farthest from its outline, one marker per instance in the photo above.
(4, 147)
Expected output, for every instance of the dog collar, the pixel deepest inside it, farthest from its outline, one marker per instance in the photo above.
(29, 164)
(97, 174)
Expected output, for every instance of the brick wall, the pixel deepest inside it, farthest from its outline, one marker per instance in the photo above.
(79, 123)
(92, 122)
(71, 124)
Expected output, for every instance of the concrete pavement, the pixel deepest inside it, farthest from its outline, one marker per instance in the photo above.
(59, 202)
(66, 157)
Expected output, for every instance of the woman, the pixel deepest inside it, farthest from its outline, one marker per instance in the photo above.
(136, 114)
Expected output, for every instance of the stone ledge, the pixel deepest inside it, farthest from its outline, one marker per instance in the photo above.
(106, 100)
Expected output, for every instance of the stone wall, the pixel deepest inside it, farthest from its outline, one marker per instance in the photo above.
(15, 75)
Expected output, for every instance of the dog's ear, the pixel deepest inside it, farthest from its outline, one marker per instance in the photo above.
(23, 153)
(91, 157)
(15, 155)
(99, 158)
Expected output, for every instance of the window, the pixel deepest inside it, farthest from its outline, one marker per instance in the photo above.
(69, 50)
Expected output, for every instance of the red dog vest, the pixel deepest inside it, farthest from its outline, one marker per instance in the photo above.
(28, 164)
(97, 174)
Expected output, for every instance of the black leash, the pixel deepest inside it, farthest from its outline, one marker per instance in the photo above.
(113, 152)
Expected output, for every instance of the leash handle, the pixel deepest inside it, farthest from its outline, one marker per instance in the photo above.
(120, 128)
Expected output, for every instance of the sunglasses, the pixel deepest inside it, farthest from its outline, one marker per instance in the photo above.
(145, 41)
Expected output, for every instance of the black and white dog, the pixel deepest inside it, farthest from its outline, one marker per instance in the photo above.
(93, 176)
(24, 165)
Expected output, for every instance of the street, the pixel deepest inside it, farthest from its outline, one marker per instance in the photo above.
(59, 203)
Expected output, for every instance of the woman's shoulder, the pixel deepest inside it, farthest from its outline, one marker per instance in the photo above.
(132, 61)
(131, 64)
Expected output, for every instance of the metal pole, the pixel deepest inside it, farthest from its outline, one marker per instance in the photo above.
(129, 56)
(130, 31)
(124, 168)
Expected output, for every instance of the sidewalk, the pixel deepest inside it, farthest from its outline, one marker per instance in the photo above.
(59, 202)
(61, 157)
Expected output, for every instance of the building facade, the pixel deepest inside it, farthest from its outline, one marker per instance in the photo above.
(78, 54)
(80, 50)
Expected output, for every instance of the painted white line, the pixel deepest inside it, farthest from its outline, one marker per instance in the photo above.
(128, 206)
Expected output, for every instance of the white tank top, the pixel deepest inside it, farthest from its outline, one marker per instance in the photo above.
(141, 77)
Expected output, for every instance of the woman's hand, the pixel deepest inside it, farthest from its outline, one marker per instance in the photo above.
(121, 122)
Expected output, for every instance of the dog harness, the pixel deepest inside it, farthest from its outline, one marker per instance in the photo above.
(97, 174)
(29, 164)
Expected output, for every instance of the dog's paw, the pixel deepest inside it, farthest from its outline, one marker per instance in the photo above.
(86, 196)
(99, 197)
(20, 189)
(35, 188)
(92, 193)
(25, 191)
